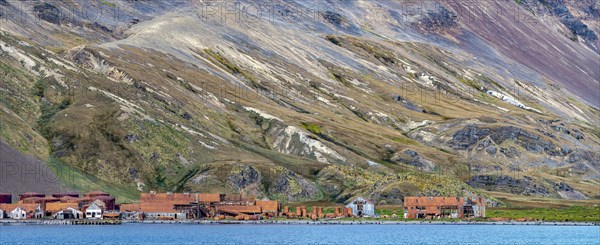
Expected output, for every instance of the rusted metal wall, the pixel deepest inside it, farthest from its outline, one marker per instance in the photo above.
(433, 206)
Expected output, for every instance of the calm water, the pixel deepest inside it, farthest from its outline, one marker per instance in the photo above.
(299, 234)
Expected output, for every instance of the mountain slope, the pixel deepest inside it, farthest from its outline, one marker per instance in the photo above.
(297, 107)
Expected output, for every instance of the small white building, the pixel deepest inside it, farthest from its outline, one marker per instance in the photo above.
(39, 213)
(1, 214)
(362, 207)
(18, 213)
(93, 212)
(69, 213)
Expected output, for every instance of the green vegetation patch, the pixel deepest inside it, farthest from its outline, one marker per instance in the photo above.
(405, 141)
(390, 210)
(107, 3)
(471, 83)
(575, 213)
(78, 180)
(236, 70)
(312, 127)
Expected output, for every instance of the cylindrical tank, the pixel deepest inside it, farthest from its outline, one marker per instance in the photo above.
(5, 198)
(65, 194)
(33, 200)
(69, 199)
(31, 194)
(84, 200)
(51, 199)
(95, 194)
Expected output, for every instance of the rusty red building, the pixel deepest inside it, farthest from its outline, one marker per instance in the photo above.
(203, 205)
(443, 207)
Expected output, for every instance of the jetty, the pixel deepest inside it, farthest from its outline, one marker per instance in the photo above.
(62, 222)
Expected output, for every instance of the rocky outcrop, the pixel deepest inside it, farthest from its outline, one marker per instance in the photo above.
(293, 140)
(510, 152)
(413, 158)
(584, 155)
(585, 162)
(566, 192)
(488, 145)
(393, 196)
(292, 187)
(525, 186)
(47, 12)
(247, 179)
(470, 135)
(562, 11)
(438, 19)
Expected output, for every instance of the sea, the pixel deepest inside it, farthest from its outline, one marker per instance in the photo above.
(298, 234)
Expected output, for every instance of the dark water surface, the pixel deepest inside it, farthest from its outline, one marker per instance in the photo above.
(297, 234)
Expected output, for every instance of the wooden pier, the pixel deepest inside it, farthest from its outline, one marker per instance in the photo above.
(96, 222)
(62, 222)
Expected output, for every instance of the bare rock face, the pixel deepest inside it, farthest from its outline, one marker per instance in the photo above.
(247, 176)
(585, 162)
(470, 135)
(292, 187)
(439, 19)
(488, 145)
(413, 158)
(563, 11)
(525, 186)
(47, 12)
(566, 192)
(289, 139)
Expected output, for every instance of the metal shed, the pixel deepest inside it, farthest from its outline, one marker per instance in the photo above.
(362, 207)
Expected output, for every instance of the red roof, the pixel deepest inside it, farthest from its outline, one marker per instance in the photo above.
(32, 200)
(10, 207)
(56, 207)
(130, 207)
(51, 199)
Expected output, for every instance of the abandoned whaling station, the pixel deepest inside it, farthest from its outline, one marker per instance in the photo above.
(100, 208)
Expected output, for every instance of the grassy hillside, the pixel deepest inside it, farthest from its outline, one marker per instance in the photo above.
(321, 112)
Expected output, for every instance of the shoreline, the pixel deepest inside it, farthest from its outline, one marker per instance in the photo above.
(316, 223)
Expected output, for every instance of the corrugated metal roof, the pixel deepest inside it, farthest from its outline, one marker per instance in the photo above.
(58, 206)
(10, 207)
(268, 206)
(369, 201)
(432, 201)
(130, 207)
(157, 207)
